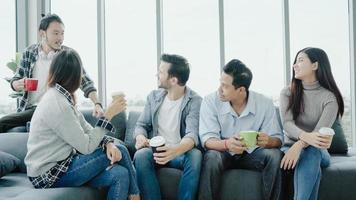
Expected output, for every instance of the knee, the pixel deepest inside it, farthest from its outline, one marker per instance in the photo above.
(212, 159)
(143, 157)
(194, 157)
(120, 174)
(123, 149)
(312, 153)
(273, 155)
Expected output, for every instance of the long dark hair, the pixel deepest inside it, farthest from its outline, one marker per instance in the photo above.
(323, 75)
(66, 70)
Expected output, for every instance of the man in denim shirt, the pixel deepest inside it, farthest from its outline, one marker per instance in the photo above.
(223, 115)
(35, 63)
(172, 112)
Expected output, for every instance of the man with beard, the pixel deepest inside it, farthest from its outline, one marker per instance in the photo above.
(172, 112)
(35, 63)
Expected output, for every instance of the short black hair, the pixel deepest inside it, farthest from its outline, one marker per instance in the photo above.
(47, 20)
(242, 75)
(179, 67)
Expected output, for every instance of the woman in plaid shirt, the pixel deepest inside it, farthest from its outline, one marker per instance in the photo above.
(64, 150)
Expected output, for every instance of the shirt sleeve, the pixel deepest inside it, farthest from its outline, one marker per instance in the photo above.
(270, 123)
(329, 114)
(209, 126)
(192, 120)
(291, 130)
(68, 127)
(20, 72)
(87, 85)
(103, 123)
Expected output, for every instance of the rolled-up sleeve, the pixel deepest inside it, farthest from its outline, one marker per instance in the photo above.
(270, 123)
(192, 120)
(209, 126)
(87, 85)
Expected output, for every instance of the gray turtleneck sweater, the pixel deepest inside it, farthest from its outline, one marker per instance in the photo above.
(320, 110)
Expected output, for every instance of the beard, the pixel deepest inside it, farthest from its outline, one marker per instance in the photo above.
(53, 46)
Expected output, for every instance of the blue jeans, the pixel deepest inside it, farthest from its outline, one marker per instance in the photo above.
(190, 163)
(264, 160)
(307, 173)
(93, 169)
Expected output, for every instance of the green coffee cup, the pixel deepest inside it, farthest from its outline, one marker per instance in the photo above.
(249, 137)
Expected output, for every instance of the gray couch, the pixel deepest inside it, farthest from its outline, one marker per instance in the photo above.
(338, 180)
(337, 183)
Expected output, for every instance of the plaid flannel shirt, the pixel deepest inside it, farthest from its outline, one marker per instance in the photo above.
(27, 64)
(47, 179)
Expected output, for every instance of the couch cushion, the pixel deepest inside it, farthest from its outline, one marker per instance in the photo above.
(17, 129)
(339, 144)
(16, 186)
(169, 181)
(119, 122)
(8, 163)
(338, 180)
(15, 144)
(241, 184)
(130, 127)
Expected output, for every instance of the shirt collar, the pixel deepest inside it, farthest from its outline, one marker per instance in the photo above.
(43, 55)
(162, 94)
(250, 107)
(65, 93)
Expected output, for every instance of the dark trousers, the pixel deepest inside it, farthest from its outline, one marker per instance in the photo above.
(266, 161)
(16, 119)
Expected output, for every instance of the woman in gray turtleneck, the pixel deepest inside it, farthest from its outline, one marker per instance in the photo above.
(311, 101)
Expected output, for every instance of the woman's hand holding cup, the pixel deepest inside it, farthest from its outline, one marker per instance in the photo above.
(116, 106)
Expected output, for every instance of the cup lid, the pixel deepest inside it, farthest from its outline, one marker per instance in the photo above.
(157, 141)
(117, 94)
(326, 131)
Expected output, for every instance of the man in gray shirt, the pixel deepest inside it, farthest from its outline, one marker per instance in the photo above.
(172, 112)
(223, 115)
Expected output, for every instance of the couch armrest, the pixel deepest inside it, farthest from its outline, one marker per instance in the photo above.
(15, 144)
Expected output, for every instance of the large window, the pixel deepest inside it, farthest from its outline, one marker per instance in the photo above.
(324, 24)
(191, 29)
(80, 21)
(7, 52)
(131, 55)
(253, 34)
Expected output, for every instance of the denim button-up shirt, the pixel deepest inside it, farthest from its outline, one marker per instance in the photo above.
(219, 120)
(147, 123)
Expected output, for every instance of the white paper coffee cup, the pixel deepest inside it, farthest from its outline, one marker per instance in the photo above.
(326, 131)
(157, 141)
(115, 95)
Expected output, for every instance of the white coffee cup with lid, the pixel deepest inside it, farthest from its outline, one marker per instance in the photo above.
(326, 131)
(119, 94)
(157, 141)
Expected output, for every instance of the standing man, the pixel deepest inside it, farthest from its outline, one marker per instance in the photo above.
(223, 115)
(35, 63)
(173, 113)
